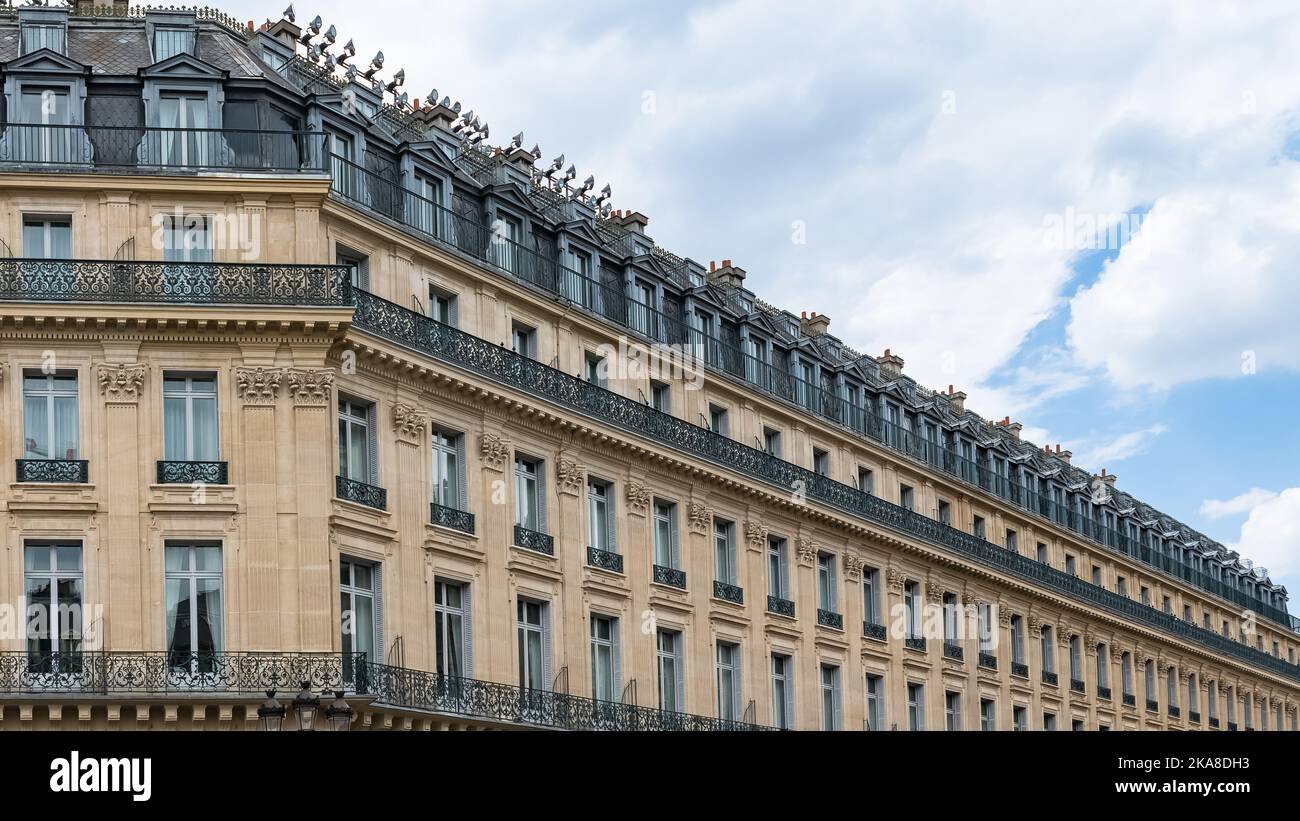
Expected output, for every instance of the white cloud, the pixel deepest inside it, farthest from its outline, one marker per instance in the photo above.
(1093, 454)
(1242, 503)
(1270, 535)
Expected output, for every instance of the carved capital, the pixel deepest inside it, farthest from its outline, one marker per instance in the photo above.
(1116, 655)
(120, 384)
(756, 535)
(852, 566)
(569, 476)
(699, 516)
(1035, 624)
(807, 550)
(934, 592)
(493, 450)
(1184, 677)
(311, 388)
(409, 423)
(1004, 615)
(258, 386)
(896, 579)
(638, 498)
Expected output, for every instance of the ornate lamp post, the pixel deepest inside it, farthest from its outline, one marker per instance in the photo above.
(305, 706)
(339, 713)
(271, 713)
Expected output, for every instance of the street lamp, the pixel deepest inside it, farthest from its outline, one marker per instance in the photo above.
(339, 713)
(305, 705)
(271, 713)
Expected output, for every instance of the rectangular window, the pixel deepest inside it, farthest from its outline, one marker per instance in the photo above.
(1167, 605)
(978, 529)
(47, 237)
(905, 497)
(1049, 721)
(449, 470)
(358, 265)
(442, 306)
(360, 609)
(51, 427)
(189, 418)
(821, 462)
(54, 587)
(46, 106)
(952, 711)
(718, 419)
(778, 579)
(168, 42)
(782, 692)
(604, 658)
(594, 369)
(187, 239)
(1041, 553)
(1069, 565)
(534, 644)
(772, 442)
(1096, 576)
(452, 635)
(875, 702)
(912, 609)
(1011, 541)
(830, 678)
(1018, 639)
(357, 441)
(728, 664)
(35, 37)
(1121, 587)
(724, 552)
(600, 518)
(668, 658)
(195, 610)
(523, 340)
(661, 397)
(866, 480)
(988, 715)
(945, 513)
(826, 598)
(915, 706)
(1146, 597)
(528, 494)
(1049, 653)
(665, 524)
(871, 594)
(1019, 719)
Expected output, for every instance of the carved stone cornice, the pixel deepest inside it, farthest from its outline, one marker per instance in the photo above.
(569, 476)
(311, 387)
(756, 535)
(638, 498)
(409, 423)
(493, 450)
(852, 567)
(807, 550)
(258, 386)
(896, 579)
(699, 517)
(120, 384)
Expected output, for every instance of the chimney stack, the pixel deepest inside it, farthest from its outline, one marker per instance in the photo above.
(732, 276)
(282, 30)
(891, 366)
(437, 115)
(810, 324)
(1064, 455)
(957, 401)
(1109, 479)
(635, 221)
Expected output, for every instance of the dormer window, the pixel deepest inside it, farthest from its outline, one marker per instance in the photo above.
(168, 41)
(36, 36)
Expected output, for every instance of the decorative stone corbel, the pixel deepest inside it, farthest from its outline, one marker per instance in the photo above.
(807, 551)
(311, 388)
(699, 516)
(852, 566)
(409, 423)
(258, 386)
(638, 498)
(493, 450)
(756, 535)
(896, 579)
(120, 384)
(569, 476)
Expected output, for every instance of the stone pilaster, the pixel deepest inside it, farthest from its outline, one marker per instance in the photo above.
(410, 495)
(258, 389)
(311, 392)
(125, 558)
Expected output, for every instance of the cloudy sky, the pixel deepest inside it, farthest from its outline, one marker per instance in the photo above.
(1083, 215)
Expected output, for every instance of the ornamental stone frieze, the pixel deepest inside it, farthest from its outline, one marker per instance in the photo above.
(409, 423)
(120, 384)
(699, 516)
(807, 550)
(755, 535)
(494, 450)
(258, 386)
(638, 498)
(310, 387)
(569, 476)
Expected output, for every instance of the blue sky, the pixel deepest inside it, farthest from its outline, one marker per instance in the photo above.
(929, 151)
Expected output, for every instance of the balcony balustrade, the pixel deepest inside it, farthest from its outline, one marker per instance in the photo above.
(450, 517)
(188, 473)
(55, 471)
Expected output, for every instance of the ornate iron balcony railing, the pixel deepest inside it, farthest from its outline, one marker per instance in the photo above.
(1193, 716)
(780, 606)
(1174, 711)
(829, 618)
(871, 630)
(728, 592)
(1153, 706)
(1129, 700)
(1214, 721)
(1050, 678)
(444, 516)
(670, 576)
(1019, 668)
(1232, 726)
(166, 151)
(181, 283)
(61, 471)
(423, 334)
(363, 494)
(1077, 685)
(988, 661)
(533, 540)
(953, 650)
(111, 672)
(605, 559)
(188, 473)
(914, 643)
(1103, 692)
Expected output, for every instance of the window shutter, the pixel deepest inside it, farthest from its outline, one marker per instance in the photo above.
(617, 655)
(678, 664)
(611, 521)
(839, 706)
(461, 472)
(674, 551)
(784, 557)
(372, 434)
(380, 653)
(736, 690)
(789, 692)
(453, 311)
(467, 627)
(542, 499)
(547, 676)
(363, 273)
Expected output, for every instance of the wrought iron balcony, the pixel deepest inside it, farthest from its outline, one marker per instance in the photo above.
(1193, 716)
(450, 517)
(728, 592)
(1019, 668)
(1174, 711)
(1153, 706)
(180, 283)
(873, 631)
(1129, 700)
(670, 576)
(534, 540)
(953, 650)
(1214, 722)
(361, 493)
(1050, 678)
(420, 333)
(1232, 726)
(188, 473)
(988, 661)
(1103, 692)
(780, 606)
(1076, 685)
(111, 672)
(152, 150)
(605, 559)
(54, 471)
(829, 618)
(914, 643)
